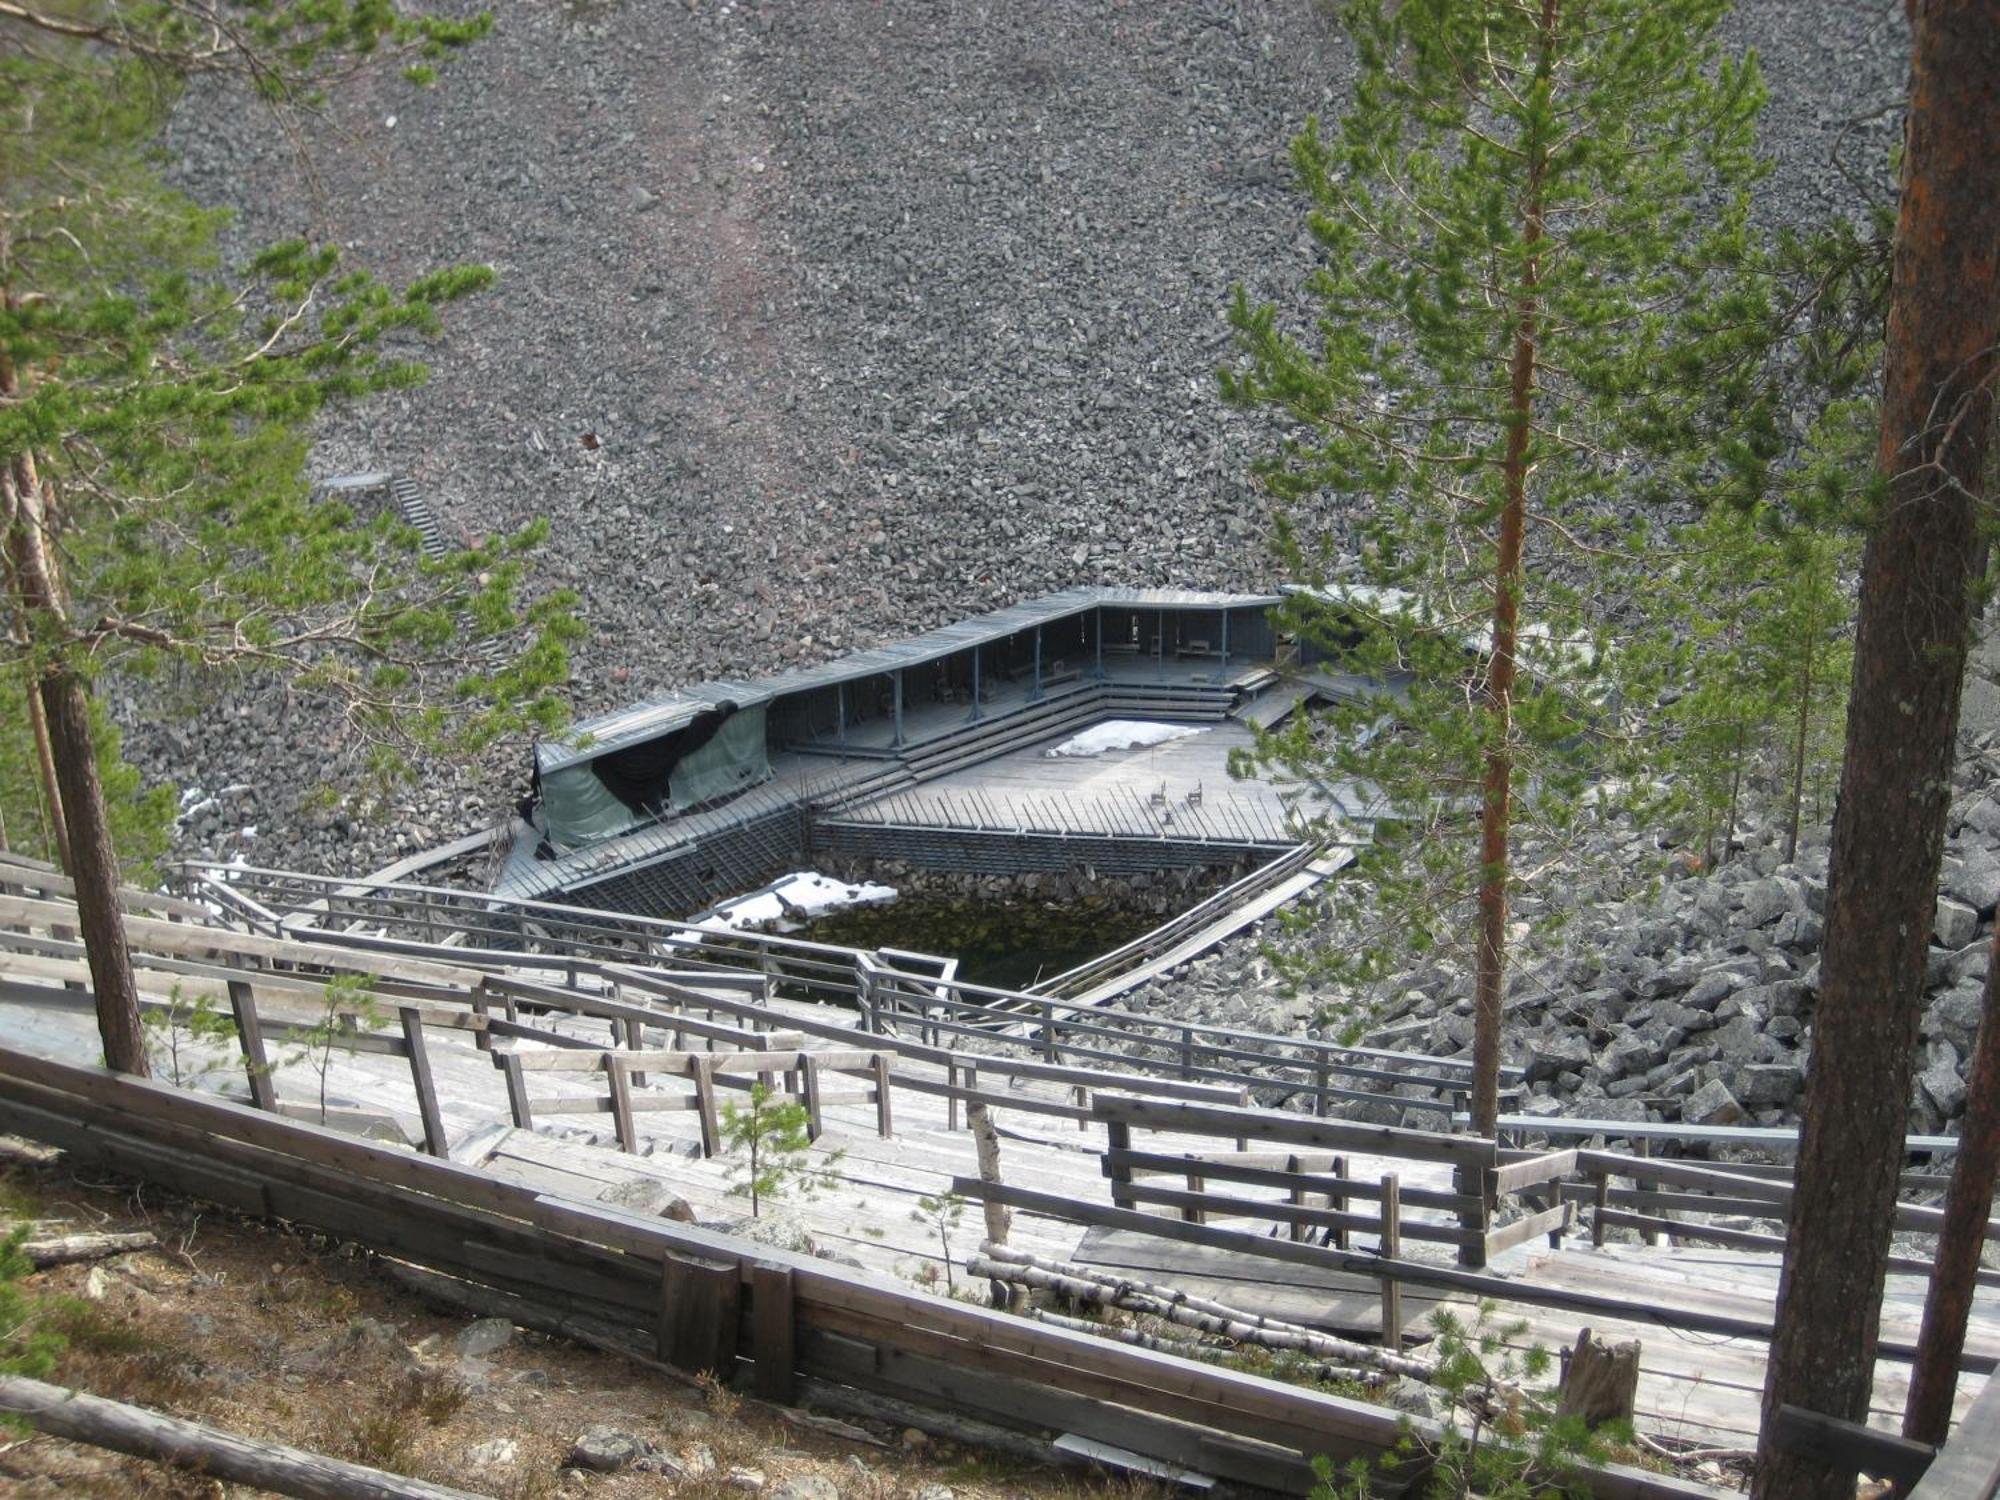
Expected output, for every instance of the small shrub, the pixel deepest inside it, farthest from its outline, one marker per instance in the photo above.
(770, 1133)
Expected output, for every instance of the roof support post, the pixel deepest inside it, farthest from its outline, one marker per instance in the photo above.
(975, 684)
(896, 679)
(1099, 613)
(1036, 695)
(1225, 641)
(840, 715)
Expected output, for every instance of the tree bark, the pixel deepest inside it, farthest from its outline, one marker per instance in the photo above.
(1934, 1377)
(283, 1470)
(1923, 559)
(1496, 812)
(94, 869)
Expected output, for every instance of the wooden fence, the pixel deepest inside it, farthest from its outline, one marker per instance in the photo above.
(711, 1302)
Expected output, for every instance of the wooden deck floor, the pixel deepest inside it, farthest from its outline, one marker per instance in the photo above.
(1692, 1386)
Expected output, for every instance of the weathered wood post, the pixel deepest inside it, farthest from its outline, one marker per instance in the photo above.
(1392, 1249)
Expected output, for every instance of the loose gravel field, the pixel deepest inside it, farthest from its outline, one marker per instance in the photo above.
(825, 321)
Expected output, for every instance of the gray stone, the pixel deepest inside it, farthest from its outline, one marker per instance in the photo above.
(1764, 901)
(1800, 931)
(1627, 1111)
(1945, 1089)
(935, 1492)
(1712, 986)
(481, 1338)
(1974, 879)
(805, 1487)
(1970, 962)
(1955, 924)
(1767, 1085)
(1628, 1053)
(1955, 1016)
(604, 1449)
(1415, 1398)
(1552, 1054)
(1737, 1040)
(1712, 1104)
(492, 1453)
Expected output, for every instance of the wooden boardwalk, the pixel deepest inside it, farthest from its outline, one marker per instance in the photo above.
(1693, 1387)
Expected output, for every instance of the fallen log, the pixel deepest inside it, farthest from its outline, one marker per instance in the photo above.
(284, 1470)
(1084, 1285)
(66, 1249)
(1189, 1349)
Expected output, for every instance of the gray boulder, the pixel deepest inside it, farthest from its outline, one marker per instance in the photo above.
(1712, 1104)
(603, 1449)
(1955, 924)
(1767, 1085)
(1974, 879)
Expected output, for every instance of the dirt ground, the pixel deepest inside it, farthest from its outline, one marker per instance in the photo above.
(278, 1333)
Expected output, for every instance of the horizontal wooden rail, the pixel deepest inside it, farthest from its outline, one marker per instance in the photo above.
(1218, 1167)
(1413, 1273)
(1295, 1130)
(713, 1299)
(1206, 1205)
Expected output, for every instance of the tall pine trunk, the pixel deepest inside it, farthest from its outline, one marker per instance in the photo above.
(93, 867)
(76, 806)
(1934, 1375)
(1923, 560)
(1496, 812)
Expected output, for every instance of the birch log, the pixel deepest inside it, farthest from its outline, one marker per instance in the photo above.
(1189, 1349)
(1083, 1285)
(221, 1455)
(63, 1249)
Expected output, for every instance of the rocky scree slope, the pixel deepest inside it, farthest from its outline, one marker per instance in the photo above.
(822, 324)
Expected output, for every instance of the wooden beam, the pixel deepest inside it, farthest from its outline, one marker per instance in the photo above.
(1852, 1446)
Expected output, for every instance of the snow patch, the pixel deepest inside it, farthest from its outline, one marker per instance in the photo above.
(1121, 734)
(791, 901)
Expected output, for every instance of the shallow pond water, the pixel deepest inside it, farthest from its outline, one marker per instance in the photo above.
(1007, 944)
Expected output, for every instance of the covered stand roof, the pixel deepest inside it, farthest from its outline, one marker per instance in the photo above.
(654, 717)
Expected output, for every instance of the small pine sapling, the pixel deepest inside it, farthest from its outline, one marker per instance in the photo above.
(772, 1135)
(942, 1214)
(1501, 1437)
(348, 1009)
(184, 1033)
(28, 1346)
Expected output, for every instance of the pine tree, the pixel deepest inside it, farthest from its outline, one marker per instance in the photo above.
(152, 418)
(1536, 267)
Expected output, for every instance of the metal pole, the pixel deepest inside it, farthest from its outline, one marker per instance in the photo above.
(975, 684)
(1100, 643)
(1036, 695)
(840, 714)
(896, 678)
(1225, 643)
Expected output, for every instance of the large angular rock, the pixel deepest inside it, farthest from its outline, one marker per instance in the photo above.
(1955, 924)
(1738, 1040)
(1767, 1085)
(1554, 1053)
(1974, 879)
(1941, 1083)
(1764, 901)
(1713, 986)
(1627, 1053)
(1712, 1104)
(1954, 1016)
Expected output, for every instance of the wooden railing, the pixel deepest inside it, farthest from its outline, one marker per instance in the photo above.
(789, 1326)
(574, 942)
(802, 1075)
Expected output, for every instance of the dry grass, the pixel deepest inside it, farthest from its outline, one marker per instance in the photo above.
(259, 1330)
